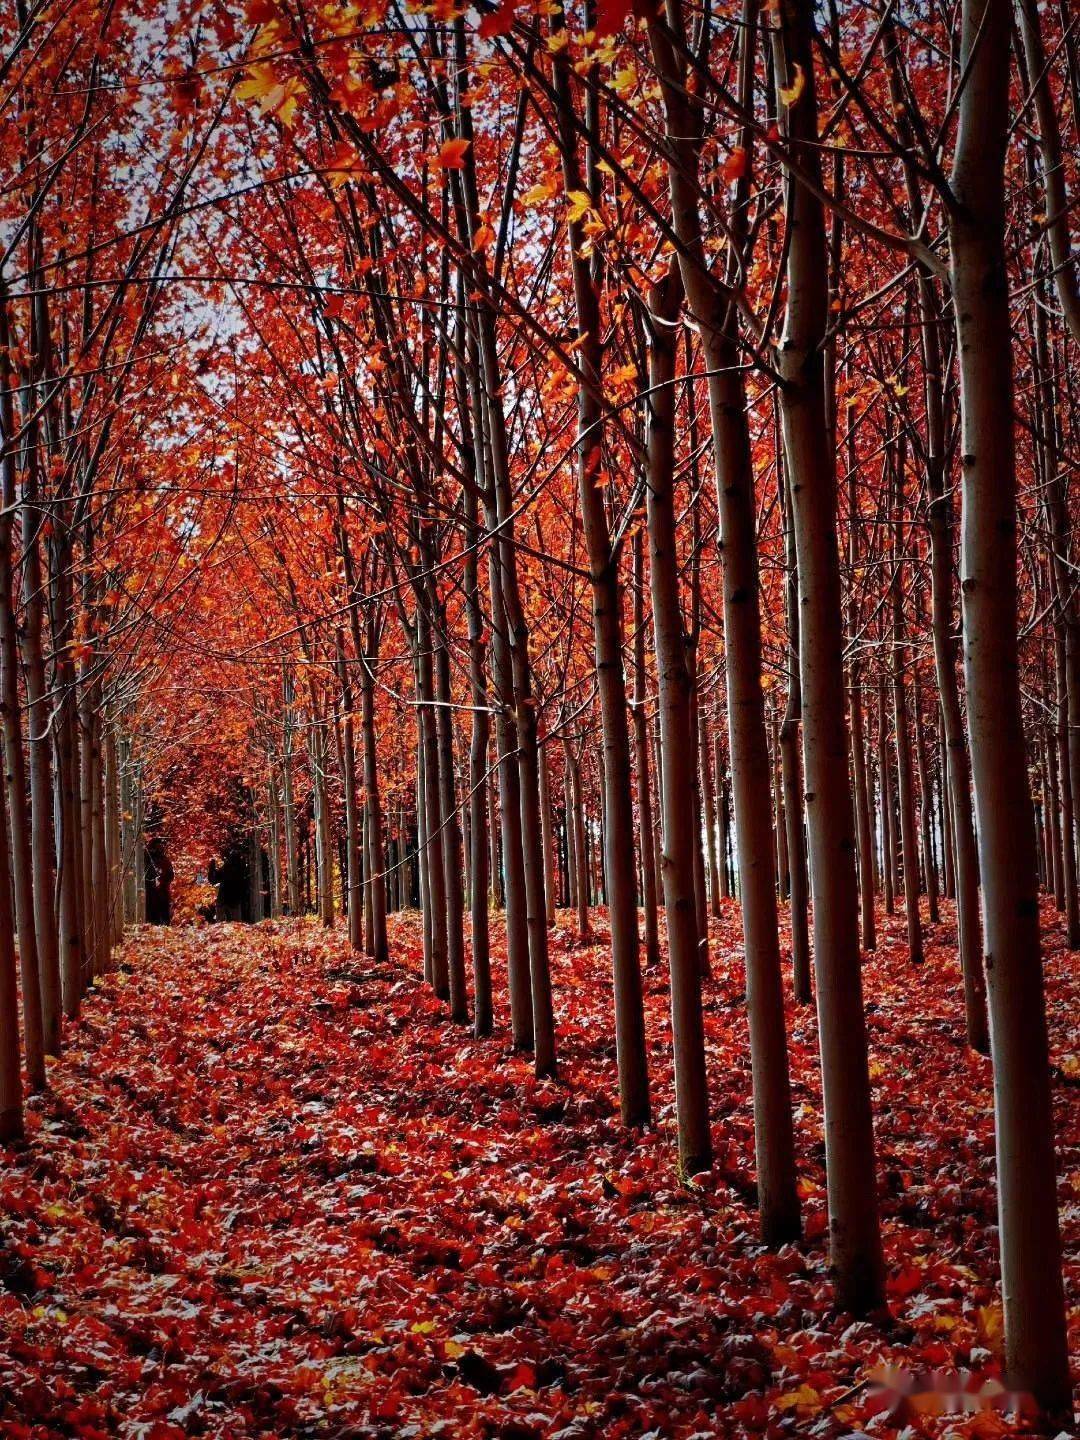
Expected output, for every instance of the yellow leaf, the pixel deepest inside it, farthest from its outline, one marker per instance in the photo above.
(789, 94)
(580, 202)
(544, 191)
(805, 1401)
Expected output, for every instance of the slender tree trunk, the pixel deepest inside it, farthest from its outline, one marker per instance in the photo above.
(11, 1097)
(15, 786)
(849, 1138)
(926, 805)
(455, 900)
(646, 839)
(708, 806)
(547, 830)
(432, 860)
(580, 882)
(38, 747)
(618, 807)
(1036, 1350)
(292, 857)
(792, 779)
(904, 776)
(354, 840)
(722, 826)
(888, 820)
(691, 1084)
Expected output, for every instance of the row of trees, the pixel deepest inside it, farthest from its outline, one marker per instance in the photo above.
(513, 458)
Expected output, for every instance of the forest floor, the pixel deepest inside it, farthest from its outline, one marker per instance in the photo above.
(273, 1191)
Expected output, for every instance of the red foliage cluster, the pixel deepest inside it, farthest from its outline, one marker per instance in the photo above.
(272, 1192)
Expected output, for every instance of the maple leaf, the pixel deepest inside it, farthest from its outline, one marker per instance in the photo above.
(790, 93)
(275, 96)
(543, 190)
(734, 167)
(580, 204)
(499, 21)
(451, 155)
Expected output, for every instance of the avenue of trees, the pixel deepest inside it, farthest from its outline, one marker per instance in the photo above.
(501, 458)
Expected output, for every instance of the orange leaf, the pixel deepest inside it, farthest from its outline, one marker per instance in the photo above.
(451, 155)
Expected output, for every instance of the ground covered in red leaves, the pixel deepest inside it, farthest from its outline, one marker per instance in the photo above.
(273, 1192)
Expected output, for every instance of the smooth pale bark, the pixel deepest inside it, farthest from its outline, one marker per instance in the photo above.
(865, 841)
(926, 804)
(432, 858)
(255, 890)
(353, 836)
(885, 795)
(478, 824)
(722, 826)
(701, 898)
(748, 745)
(11, 1097)
(513, 871)
(421, 841)
(579, 880)
(67, 786)
(15, 787)
(292, 857)
(480, 837)
(547, 828)
(451, 827)
(691, 1083)
(112, 836)
(515, 638)
(904, 771)
(779, 811)
(957, 776)
(494, 866)
(99, 844)
(274, 811)
(1036, 1349)
(140, 848)
(85, 831)
(855, 1241)
(708, 809)
(324, 856)
(859, 767)
(646, 838)
(945, 821)
(44, 926)
(792, 780)
(620, 875)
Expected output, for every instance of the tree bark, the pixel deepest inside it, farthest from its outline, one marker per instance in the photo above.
(855, 1241)
(691, 1084)
(1036, 1351)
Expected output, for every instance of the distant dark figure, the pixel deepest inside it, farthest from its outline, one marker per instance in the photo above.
(233, 880)
(159, 878)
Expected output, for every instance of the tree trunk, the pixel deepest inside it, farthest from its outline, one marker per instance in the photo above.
(451, 825)
(691, 1084)
(1036, 1351)
(646, 839)
(855, 1241)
